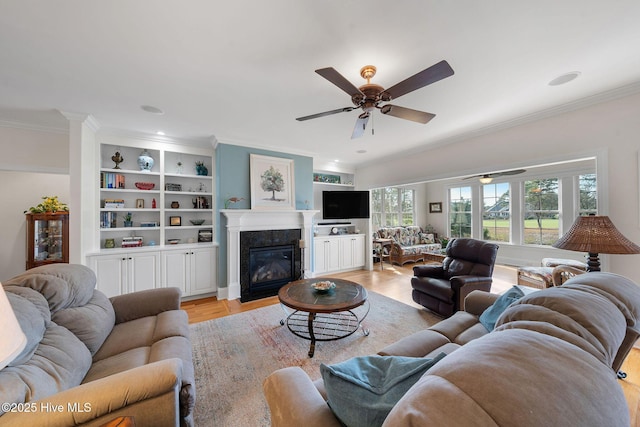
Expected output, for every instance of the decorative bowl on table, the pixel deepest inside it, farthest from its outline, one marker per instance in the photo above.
(323, 287)
(145, 185)
(173, 241)
(196, 221)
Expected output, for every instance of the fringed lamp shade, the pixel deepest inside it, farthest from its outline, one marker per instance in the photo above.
(596, 234)
(12, 339)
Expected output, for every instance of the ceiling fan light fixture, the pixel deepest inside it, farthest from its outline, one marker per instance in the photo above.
(485, 179)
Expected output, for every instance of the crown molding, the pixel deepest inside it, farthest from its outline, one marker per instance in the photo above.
(33, 127)
(600, 98)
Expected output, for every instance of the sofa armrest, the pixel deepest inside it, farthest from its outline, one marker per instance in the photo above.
(478, 301)
(145, 303)
(136, 392)
(295, 401)
(434, 270)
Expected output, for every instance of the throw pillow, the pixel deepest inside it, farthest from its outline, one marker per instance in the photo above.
(489, 317)
(362, 391)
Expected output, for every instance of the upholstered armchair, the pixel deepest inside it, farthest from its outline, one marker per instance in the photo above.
(468, 266)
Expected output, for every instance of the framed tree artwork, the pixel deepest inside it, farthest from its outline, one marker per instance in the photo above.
(272, 183)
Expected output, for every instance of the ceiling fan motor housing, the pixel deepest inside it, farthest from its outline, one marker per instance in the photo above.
(371, 93)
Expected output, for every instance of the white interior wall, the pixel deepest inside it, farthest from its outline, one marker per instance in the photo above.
(608, 131)
(35, 164)
(21, 191)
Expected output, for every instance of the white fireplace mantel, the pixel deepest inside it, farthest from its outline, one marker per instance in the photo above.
(239, 220)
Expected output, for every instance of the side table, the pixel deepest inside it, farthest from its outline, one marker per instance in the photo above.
(384, 243)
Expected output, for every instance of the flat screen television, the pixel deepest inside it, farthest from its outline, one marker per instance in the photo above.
(345, 204)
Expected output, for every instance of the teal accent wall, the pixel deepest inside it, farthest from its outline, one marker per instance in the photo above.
(232, 180)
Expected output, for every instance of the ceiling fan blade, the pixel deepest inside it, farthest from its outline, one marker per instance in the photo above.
(497, 174)
(361, 124)
(432, 74)
(407, 113)
(338, 79)
(326, 113)
(511, 172)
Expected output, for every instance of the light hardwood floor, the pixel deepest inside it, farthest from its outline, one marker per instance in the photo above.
(394, 282)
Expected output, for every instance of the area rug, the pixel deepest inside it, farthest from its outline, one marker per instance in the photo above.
(234, 354)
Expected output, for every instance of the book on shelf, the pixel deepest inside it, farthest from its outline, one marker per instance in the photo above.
(132, 242)
(111, 180)
(108, 219)
(114, 203)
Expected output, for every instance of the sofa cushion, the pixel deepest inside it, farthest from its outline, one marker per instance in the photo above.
(489, 317)
(585, 319)
(362, 390)
(482, 382)
(63, 285)
(91, 323)
(60, 362)
(69, 290)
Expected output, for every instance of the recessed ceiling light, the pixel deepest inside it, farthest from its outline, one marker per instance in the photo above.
(151, 109)
(159, 133)
(565, 78)
(361, 151)
(336, 160)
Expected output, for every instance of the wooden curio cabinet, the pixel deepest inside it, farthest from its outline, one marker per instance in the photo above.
(47, 238)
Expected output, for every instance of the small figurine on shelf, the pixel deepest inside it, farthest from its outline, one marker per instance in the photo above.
(127, 220)
(201, 169)
(117, 158)
(230, 200)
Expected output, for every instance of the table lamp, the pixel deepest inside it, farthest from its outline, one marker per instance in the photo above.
(595, 234)
(12, 339)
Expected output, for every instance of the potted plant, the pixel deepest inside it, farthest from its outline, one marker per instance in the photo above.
(50, 204)
(127, 220)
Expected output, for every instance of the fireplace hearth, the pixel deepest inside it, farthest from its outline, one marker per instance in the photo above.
(269, 259)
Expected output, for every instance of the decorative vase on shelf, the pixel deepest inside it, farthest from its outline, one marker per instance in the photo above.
(145, 161)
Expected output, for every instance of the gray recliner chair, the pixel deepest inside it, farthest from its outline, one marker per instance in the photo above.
(468, 266)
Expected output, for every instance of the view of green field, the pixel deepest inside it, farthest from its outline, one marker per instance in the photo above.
(498, 229)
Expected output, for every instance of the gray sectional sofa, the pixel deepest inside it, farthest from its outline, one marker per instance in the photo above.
(90, 359)
(551, 360)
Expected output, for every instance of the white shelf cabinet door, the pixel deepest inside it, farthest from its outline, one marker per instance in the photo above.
(143, 271)
(352, 251)
(119, 274)
(203, 271)
(326, 254)
(191, 270)
(110, 273)
(175, 269)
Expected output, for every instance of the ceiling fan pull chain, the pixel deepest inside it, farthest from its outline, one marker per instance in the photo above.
(373, 123)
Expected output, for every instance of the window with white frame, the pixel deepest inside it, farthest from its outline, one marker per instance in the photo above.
(537, 211)
(496, 212)
(587, 191)
(460, 212)
(541, 212)
(392, 206)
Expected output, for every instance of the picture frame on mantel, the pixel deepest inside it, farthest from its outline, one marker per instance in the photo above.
(435, 207)
(272, 183)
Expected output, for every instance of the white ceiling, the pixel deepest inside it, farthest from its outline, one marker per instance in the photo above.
(242, 71)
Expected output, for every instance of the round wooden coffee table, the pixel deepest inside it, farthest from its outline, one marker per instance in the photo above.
(323, 316)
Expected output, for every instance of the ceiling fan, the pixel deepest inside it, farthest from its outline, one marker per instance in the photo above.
(488, 177)
(370, 95)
